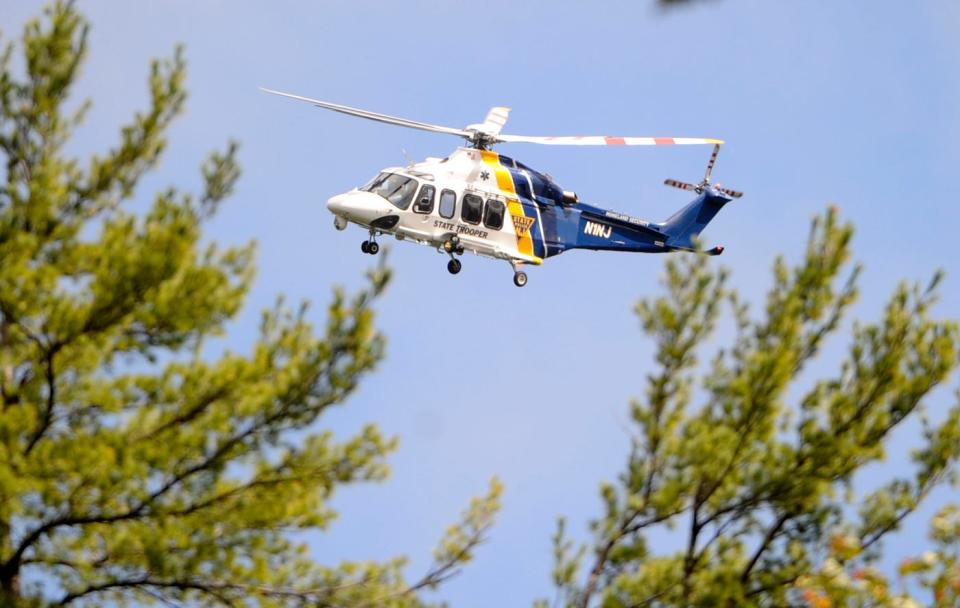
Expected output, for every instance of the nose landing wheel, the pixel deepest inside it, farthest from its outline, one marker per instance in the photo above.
(454, 266)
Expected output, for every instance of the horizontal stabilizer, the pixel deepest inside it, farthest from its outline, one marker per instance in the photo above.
(729, 192)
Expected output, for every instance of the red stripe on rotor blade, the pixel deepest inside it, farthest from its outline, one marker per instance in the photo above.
(660, 141)
(614, 141)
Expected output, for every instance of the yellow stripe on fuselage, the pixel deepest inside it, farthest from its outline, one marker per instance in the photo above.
(514, 207)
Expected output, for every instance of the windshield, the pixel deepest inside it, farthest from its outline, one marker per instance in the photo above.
(398, 189)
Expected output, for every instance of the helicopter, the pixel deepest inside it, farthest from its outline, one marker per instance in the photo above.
(494, 206)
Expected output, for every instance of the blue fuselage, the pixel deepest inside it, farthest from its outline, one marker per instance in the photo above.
(561, 226)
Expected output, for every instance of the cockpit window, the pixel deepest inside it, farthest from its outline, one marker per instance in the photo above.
(398, 189)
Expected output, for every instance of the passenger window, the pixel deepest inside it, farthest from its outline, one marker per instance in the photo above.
(472, 209)
(493, 215)
(424, 202)
(448, 203)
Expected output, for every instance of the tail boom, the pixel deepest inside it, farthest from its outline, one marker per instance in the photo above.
(684, 226)
(604, 230)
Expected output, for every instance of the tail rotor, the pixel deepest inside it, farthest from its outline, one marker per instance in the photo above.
(705, 183)
(713, 161)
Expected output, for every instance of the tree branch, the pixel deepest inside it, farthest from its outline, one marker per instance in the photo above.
(689, 561)
(51, 380)
(627, 528)
(212, 590)
(767, 539)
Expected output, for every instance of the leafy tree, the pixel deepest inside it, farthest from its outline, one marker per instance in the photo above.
(757, 478)
(840, 582)
(132, 468)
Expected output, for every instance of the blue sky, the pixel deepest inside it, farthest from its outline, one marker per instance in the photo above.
(853, 103)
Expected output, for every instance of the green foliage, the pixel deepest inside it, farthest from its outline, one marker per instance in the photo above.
(756, 478)
(134, 470)
(841, 582)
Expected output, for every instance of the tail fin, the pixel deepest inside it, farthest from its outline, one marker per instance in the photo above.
(686, 224)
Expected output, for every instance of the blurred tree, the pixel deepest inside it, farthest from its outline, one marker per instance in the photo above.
(132, 468)
(840, 582)
(759, 478)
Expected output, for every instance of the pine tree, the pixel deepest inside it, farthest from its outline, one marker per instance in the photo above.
(840, 581)
(132, 468)
(755, 475)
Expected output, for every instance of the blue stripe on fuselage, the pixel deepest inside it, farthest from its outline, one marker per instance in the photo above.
(546, 224)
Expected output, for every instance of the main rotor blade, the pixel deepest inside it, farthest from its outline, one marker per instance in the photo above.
(392, 120)
(496, 118)
(606, 140)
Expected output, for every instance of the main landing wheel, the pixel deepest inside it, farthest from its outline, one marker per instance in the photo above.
(454, 266)
(452, 247)
(364, 247)
(520, 279)
(373, 248)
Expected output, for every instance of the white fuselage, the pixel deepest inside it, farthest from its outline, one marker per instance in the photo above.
(467, 194)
